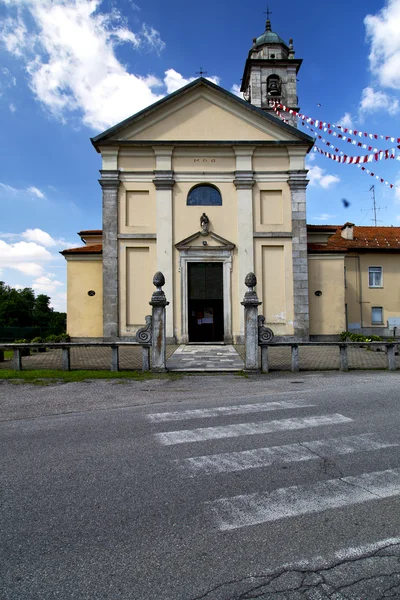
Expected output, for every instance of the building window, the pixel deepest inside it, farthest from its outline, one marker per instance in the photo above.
(375, 276)
(377, 315)
(204, 195)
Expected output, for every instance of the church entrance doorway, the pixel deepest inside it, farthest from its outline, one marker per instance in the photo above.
(205, 302)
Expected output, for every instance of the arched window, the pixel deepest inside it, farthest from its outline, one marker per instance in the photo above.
(274, 85)
(204, 195)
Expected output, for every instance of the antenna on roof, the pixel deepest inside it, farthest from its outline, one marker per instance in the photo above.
(374, 207)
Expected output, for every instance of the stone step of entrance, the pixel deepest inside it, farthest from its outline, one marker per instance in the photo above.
(207, 357)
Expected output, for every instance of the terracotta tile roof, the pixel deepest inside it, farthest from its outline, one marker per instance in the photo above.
(92, 249)
(364, 238)
(90, 232)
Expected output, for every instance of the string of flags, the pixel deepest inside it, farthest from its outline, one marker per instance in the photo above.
(340, 156)
(329, 126)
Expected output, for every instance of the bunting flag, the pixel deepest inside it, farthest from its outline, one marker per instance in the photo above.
(329, 126)
(342, 158)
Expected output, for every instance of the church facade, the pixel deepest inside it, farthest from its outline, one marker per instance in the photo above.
(207, 187)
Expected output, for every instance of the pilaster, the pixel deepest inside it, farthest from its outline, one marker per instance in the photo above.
(164, 183)
(244, 181)
(298, 183)
(110, 183)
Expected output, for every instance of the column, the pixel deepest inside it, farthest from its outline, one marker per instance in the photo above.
(110, 183)
(164, 184)
(244, 181)
(158, 323)
(298, 184)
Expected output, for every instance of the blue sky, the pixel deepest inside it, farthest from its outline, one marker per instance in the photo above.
(70, 69)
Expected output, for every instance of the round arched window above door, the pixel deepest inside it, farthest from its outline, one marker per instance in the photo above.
(204, 195)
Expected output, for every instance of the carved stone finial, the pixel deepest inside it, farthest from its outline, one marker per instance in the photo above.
(158, 298)
(159, 280)
(250, 280)
(204, 224)
(250, 297)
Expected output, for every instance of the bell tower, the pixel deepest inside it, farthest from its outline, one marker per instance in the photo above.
(270, 73)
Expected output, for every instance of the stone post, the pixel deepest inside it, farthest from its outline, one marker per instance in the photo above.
(110, 183)
(344, 359)
(143, 337)
(158, 334)
(66, 359)
(298, 184)
(251, 304)
(391, 357)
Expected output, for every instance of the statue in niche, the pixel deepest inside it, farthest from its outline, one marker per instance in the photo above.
(204, 224)
(274, 85)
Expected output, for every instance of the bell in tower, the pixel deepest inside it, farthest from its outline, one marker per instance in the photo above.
(270, 73)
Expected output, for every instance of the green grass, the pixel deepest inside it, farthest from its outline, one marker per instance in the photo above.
(46, 377)
(8, 354)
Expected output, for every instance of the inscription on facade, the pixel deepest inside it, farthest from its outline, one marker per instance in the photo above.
(204, 160)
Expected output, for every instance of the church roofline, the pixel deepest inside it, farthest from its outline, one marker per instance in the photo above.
(201, 81)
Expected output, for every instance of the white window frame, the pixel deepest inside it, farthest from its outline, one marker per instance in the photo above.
(372, 312)
(369, 273)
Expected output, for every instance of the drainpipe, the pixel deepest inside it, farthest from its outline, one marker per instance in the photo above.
(360, 291)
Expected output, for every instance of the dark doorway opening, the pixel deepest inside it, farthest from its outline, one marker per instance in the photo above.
(205, 302)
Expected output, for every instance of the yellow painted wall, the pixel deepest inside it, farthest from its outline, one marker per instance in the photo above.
(204, 159)
(327, 312)
(270, 159)
(137, 265)
(272, 207)
(137, 208)
(129, 160)
(274, 272)
(201, 119)
(360, 298)
(84, 313)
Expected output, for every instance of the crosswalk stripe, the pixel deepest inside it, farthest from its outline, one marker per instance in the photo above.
(253, 509)
(228, 431)
(241, 409)
(264, 457)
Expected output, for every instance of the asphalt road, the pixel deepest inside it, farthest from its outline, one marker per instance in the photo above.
(216, 487)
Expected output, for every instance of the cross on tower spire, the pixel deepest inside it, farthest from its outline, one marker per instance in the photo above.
(268, 23)
(201, 72)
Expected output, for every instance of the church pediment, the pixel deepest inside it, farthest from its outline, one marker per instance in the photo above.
(201, 111)
(205, 241)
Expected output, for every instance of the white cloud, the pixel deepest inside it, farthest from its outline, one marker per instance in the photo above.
(383, 33)
(372, 101)
(26, 257)
(324, 217)
(235, 89)
(35, 191)
(39, 236)
(174, 81)
(46, 284)
(317, 177)
(12, 107)
(30, 191)
(346, 121)
(71, 61)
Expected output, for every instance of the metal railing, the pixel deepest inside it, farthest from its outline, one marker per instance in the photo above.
(390, 349)
(65, 347)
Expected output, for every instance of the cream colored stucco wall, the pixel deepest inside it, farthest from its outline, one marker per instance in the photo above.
(204, 120)
(327, 312)
(132, 159)
(274, 272)
(271, 159)
(137, 265)
(84, 313)
(360, 298)
(272, 207)
(137, 208)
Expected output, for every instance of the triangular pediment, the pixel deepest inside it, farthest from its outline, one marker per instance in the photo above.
(200, 241)
(204, 112)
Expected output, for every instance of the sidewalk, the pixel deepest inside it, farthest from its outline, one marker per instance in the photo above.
(207, 358)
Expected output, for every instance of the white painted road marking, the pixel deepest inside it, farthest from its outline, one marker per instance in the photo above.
(241, 409)
(253, 509)
(264, 457)
(228, 431)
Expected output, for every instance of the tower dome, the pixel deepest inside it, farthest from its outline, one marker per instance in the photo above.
(269, 37)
